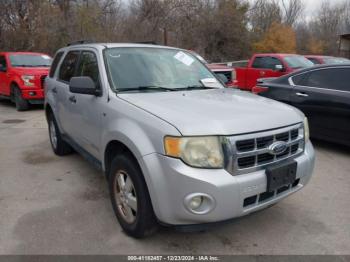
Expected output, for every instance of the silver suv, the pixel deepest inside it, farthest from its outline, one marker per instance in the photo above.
(176, 146)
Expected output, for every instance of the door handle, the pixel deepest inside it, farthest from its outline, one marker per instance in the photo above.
(54, 90)
(72, 99)
(262, 73)
(302, 94)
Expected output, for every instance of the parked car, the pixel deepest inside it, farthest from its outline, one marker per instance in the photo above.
(239, 63)
(219, 70)
(266, 66)
(166, 136)
(322, 93)
(22, 75)
(329, 60)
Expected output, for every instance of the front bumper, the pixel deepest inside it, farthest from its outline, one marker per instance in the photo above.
(33, 94)
(170, 181)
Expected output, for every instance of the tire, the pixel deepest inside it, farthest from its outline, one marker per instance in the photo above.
(21, 104)
(143, 222)
(59, 146)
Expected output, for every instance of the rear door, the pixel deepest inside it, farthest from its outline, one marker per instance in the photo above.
(324, 96)
(4, 82)
(262, 67)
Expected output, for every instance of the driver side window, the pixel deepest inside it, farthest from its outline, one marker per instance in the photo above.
(3, 62)
(88, 66)
(266, 62)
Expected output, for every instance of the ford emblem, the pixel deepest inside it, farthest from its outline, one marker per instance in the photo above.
(278, 148)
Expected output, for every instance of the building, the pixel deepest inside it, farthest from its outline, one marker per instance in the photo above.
(344, 45)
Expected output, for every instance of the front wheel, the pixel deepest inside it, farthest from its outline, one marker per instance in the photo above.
(21, 104)
(130, 198)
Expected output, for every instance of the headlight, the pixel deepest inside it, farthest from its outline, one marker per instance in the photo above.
(204, 152)
(26, 79)
(306, 130)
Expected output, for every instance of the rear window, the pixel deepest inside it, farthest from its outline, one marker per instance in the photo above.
(55, 63)
(314, 60)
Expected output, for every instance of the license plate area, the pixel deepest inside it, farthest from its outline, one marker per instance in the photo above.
(281, 175)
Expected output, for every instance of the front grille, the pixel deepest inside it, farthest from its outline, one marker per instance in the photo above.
(252, 152)
(42, 81)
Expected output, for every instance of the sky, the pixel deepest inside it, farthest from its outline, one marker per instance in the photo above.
(313, 5)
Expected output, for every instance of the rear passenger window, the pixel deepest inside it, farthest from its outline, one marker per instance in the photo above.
(55, 62)
(88, 66)
(335, 78)
(68, 66)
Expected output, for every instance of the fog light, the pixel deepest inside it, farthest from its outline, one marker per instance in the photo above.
(196, 202)
(199, 203)
(32, 93)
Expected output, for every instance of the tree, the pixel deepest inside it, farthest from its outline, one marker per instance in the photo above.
(291, 11)
(279, 38)
(263, 14)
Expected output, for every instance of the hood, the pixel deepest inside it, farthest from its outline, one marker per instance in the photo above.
(216, 111)
(31, 70)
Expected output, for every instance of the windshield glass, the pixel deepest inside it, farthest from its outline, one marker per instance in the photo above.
(135, 68)
(298, 62)
(30, 60)
(335, 60)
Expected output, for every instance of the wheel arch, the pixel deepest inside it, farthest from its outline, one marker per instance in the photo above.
(113, 148)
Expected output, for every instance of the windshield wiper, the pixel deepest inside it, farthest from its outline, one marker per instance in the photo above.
(196, 87)
(30, 65)
(23, 66)
(143, 88)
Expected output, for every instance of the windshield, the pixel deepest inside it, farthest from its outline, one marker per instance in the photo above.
(160, 69)
(30, 60)
(335, 60)
(298, 62)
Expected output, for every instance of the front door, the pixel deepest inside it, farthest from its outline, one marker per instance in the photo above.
(86, 110)
(263, 67)
(61, 91)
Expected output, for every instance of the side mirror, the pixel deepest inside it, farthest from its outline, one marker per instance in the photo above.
(279, 68)
(223, 78)
(83, 85)
(2, 68)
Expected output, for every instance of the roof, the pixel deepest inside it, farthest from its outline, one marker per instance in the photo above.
(114, 45)
(22, 53)
(275, 54)
(317, 56)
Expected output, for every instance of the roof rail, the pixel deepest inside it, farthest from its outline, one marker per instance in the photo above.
(80, 42)
(146, 42)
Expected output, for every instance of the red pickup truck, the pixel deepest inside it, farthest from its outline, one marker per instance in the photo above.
(268, 65)
(219, 69)
(22, 76)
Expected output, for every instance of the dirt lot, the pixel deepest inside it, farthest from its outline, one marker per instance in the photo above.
(52, 205)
